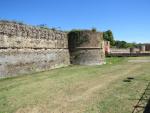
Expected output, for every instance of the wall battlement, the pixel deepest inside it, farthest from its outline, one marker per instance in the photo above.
(24, 36)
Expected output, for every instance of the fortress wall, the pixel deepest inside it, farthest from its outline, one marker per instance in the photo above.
(87, 56)
(14, 35)
(25, 49)
(86, 47)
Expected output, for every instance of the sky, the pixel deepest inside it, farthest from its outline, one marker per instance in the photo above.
(129, 20)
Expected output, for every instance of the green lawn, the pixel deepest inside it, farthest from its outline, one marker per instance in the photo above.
(77, 89)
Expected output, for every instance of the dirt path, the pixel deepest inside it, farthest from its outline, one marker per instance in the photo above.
(139, 61)
(76, 104)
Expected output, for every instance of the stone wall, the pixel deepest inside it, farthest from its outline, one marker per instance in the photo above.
(86, 47)
(119, 50)
(25, 49)
(14, 35)
(147, 47)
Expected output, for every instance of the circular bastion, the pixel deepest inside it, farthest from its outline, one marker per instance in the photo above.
(86, 47)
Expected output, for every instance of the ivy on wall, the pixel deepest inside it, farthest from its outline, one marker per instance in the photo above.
(76, 39)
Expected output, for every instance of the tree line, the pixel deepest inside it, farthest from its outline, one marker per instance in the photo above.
(108, 36)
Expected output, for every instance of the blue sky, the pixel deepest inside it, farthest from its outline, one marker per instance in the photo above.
(128, 19)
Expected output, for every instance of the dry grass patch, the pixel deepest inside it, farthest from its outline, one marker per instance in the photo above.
(77, 89)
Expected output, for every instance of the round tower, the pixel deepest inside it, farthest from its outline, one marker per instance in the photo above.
(86, 47)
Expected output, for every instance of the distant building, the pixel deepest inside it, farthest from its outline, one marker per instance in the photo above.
(142, 48)
(147, 47)
(107, 47)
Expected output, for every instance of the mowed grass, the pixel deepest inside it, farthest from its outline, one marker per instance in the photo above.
(77, 89)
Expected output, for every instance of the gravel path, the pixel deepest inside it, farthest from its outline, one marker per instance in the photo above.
(139, 61)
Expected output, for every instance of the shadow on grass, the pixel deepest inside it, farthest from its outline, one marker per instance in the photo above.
(147, 108)
(126, 80)
(129, 79)
(143, 104)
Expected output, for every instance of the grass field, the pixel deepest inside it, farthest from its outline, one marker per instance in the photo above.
(77, 89)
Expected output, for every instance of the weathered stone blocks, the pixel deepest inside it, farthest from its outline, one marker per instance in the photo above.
(25, 49)
(24, 61)
(86, 47)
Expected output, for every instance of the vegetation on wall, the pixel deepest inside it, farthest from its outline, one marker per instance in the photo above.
(43, 26)
(75, 38)
(94, 30)
(13, 21)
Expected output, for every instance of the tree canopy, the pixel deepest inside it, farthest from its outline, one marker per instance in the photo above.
(108, 36)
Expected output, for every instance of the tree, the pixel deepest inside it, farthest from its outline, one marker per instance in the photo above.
(108, 36)
(121, 44)
(124, 44)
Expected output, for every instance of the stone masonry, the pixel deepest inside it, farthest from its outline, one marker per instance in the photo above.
(26, 49)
